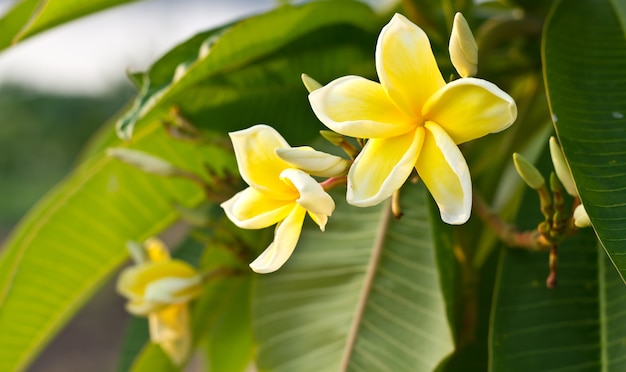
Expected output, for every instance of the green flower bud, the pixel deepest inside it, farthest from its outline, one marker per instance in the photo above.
(310, 83)
(528, 172)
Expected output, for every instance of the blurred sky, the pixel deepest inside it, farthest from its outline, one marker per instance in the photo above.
(92, 54)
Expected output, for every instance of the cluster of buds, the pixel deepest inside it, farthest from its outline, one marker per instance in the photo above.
(559, 222)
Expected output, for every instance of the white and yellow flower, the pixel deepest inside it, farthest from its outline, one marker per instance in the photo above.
(281, 190)
(413, 119)
(161, 288)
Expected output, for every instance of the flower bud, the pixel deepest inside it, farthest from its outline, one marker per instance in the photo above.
(463, 49)
(581, 218)
(528, 172)
(315, 163)
(561, 168)
(332, 137)
(145, 162)
(310, 83)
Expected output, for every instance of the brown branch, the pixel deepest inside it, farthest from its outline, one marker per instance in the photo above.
(530, 240)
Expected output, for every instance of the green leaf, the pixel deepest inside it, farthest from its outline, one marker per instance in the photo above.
(583, 52)
(539, 329)
(576, 326)
(230, 343)
(153, 359)
(30, 17)
(256, 64)
(370, 293)
(77, 236)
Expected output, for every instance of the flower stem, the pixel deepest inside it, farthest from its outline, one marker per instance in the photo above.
(333, 182)
(509, 234)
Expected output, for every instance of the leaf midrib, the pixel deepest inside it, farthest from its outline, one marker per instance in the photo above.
(368, 281)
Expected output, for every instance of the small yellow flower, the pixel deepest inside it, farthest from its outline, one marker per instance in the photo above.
(281, 190)
(413, 119)
(161, 288)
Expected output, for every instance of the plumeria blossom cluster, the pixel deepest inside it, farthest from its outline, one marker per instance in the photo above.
(160, 288)
(410, 119)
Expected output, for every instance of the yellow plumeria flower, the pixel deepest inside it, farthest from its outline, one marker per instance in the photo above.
(413, 119)
(281, 190)
(161, 288)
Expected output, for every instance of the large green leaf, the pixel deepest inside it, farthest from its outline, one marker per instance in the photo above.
(576, 326)
(539, 329)
(226, 66)
(77, 236)
(29, 17)
(584, 51)
(370, 293)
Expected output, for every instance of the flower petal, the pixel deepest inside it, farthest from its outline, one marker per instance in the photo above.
(382, 167)
(357, 107)
(169, 328)
(445, 173)
(406, 66)
(134, 281)
(315, 163)
(255, 149)
(470, 108)
(286, 237)
(312, 196)
(251, 209)
(173, 290)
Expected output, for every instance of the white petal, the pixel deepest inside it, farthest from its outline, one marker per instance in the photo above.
(357, 107)
(315, 163)
(382, 167)
(251, 209)
(470, 108)
(172, 290)
(312, 196)
(445, 173)
(406, 66)
(255, 150)
(286, 238)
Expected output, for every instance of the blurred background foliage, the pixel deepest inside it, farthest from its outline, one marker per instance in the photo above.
(41, 139)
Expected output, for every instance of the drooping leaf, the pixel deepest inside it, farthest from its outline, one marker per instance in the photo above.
(255, 62)
(583, 50)
(370, 293)
(77, 236)
(29, 17)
